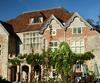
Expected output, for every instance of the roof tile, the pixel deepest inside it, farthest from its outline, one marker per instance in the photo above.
(21, 22)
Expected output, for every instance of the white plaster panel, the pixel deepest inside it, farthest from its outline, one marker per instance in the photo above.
(55, 25)
(77, 23)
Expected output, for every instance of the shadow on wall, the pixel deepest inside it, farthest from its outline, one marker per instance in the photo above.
(3, 80)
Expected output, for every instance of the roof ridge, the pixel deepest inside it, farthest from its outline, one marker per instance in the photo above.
(43, 10)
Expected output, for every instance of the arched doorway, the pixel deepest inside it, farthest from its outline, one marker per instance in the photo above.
(37, 69)
(13, 71)
(25, 71)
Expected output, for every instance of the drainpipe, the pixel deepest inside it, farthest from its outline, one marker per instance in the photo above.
(65, 35)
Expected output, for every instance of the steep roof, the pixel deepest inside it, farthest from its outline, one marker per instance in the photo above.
(8, 27)
(21, 22)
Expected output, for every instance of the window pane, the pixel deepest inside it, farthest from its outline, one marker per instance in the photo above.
(79, 30)
(82, 49)
(74, 30)
(51, 44)
(82, 42)
(55, 44)
(72, 43)
(77, 43)
(77, 49)
(73, 49)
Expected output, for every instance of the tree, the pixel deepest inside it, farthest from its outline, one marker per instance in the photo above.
(65, 59)
(35, 60)
(62, 58)
(47, 62)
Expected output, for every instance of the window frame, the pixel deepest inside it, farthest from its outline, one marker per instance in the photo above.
(32, 41)
(36, 20)
(54, 46)
(75, 30)
(77, 44)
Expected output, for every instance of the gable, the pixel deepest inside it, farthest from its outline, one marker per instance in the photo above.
(77, 22)
(55, 25)
(52, 22)
(3, 31)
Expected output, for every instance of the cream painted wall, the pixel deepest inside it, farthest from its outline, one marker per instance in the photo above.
(77, 23)
(55, 25)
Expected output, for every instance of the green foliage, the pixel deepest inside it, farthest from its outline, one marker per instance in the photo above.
(87, 56)
(47, 57)
(15, 61)
(64, 59)
(34, 58)
(22, 56)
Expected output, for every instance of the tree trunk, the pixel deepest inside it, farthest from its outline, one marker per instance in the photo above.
(72, 74)
(64, 78)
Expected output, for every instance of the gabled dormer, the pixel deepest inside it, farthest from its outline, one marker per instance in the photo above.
(35, 20)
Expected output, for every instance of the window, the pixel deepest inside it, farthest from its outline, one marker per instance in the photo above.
(77, 46)
(53, 45)
(78, 66)
(36, 20)
(77, 30)
(32, 40)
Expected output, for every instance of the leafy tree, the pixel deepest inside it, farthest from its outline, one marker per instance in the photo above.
(65, 59)
(47, 62)
(35, 60)
(61, 57)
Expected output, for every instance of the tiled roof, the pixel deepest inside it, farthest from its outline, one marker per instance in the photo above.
(21, 22)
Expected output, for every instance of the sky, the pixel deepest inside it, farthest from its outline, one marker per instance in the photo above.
(88, 9)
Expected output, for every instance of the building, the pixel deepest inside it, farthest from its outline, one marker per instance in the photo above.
(38, 29)
(8, 46)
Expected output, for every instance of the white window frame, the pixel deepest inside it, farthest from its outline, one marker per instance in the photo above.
(76, 30)
(32, 20)
(80, 45)
(32, 40)
(54, 47)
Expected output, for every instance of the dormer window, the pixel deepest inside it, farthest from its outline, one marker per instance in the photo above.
(36, 20)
